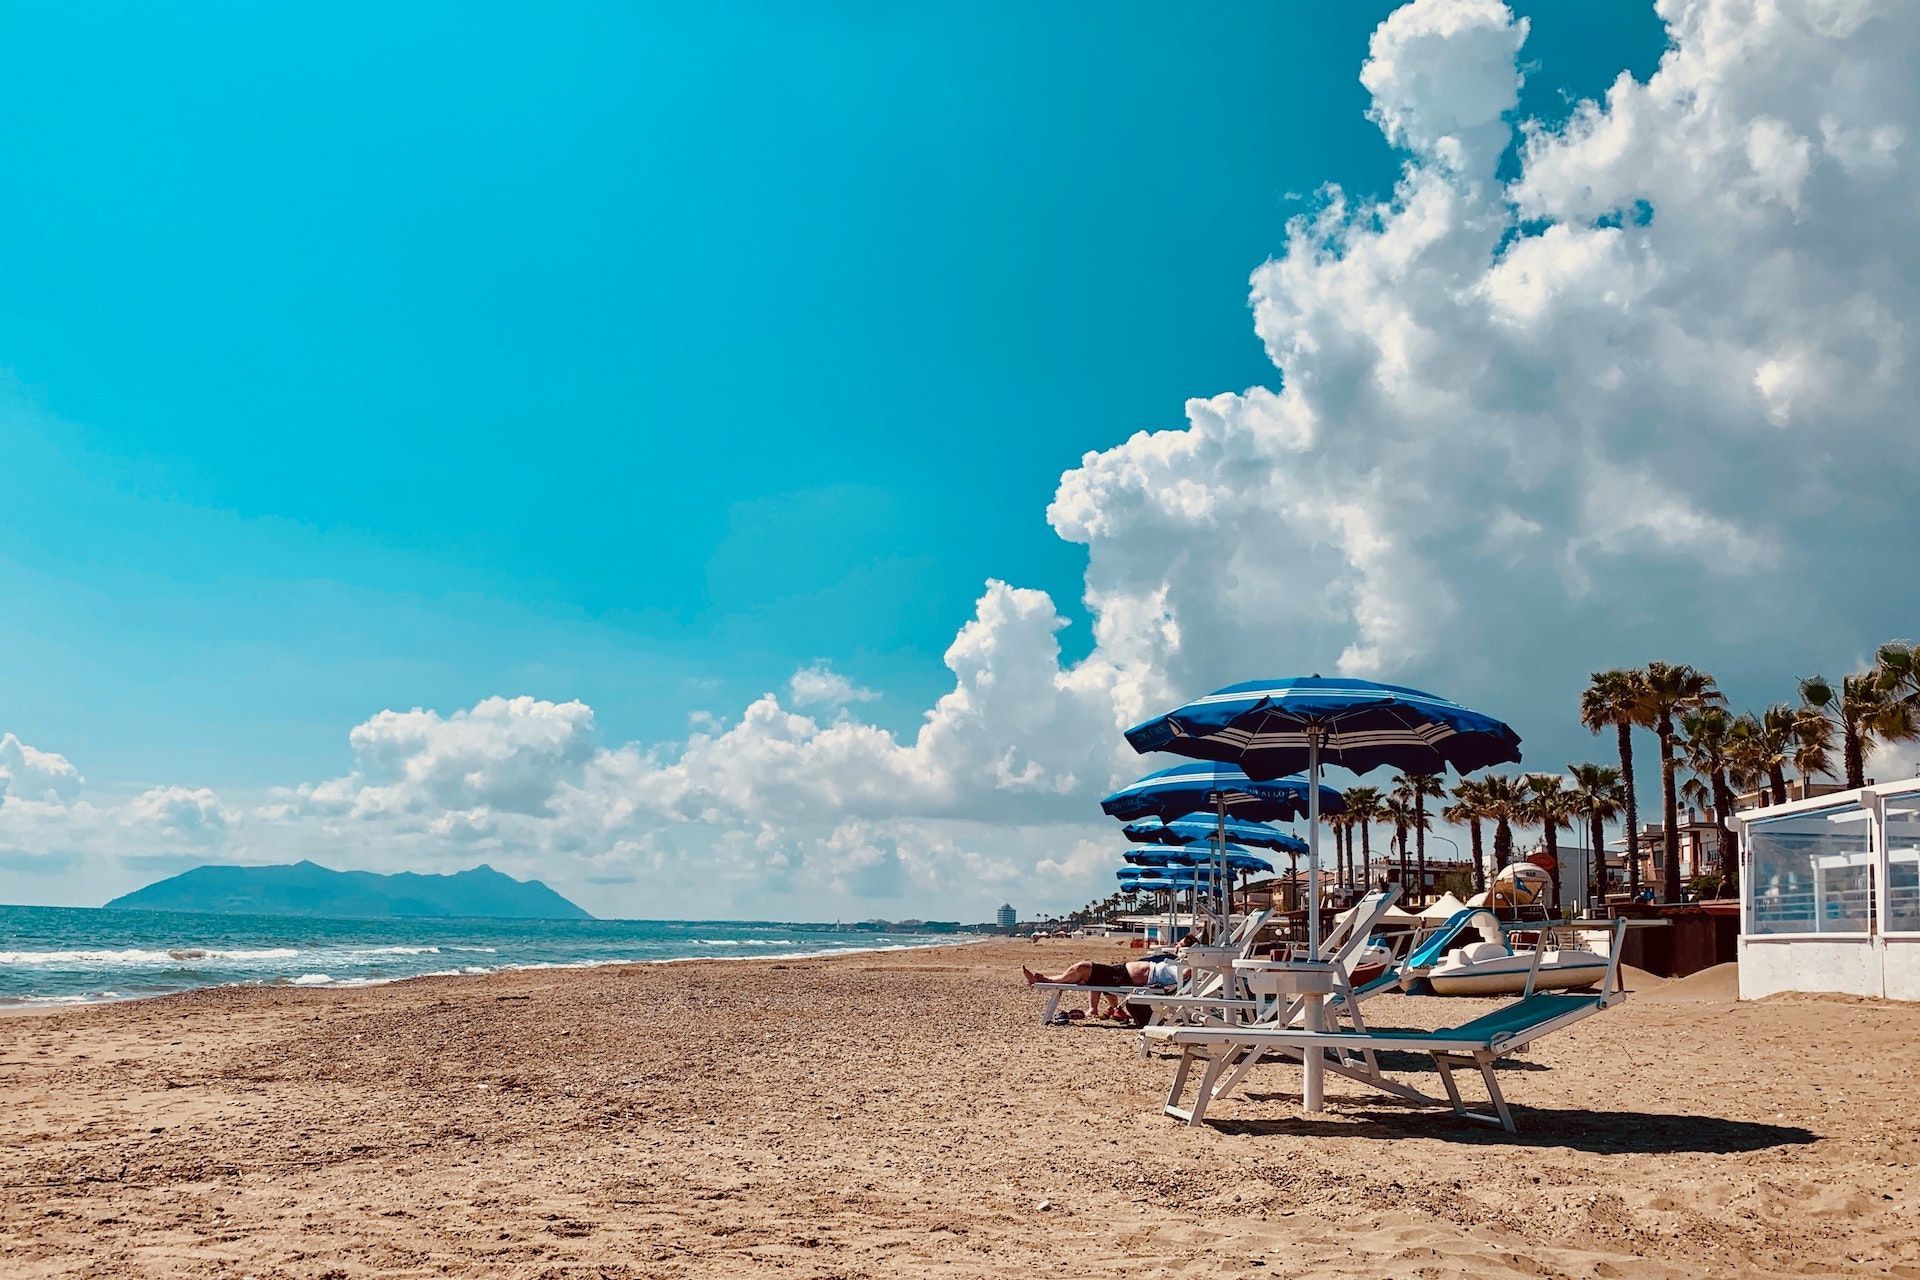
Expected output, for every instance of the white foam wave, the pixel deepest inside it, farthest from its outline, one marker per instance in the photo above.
(171, 956)
(312, 980)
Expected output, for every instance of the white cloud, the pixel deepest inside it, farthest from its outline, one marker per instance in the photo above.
(30, 774)
(821, 686)
(179, 812)
(1650, 399)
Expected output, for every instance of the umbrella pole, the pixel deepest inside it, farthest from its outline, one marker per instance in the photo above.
(1220, 866)
(1313, 1079)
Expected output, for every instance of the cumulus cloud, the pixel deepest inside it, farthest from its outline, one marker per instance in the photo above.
(195, 814)
(1650, 398)
(34, 775)
(821, 686)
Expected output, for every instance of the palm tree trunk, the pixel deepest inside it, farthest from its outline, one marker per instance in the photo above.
(1366, 851)
(1597, 832)
(1725, 847)
(1669, 812)
(1854, 754)
(1553, 854)
(1400, 834)
(1624, 731)
(1502, 843)
(1420, 838)
(1479, 863)
(1777, 782)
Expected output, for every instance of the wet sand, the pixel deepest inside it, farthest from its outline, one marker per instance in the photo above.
(904, 1114)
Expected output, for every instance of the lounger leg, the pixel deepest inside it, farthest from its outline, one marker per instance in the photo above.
(1208, 1079)
(1483, 1061)
(1486, 1061)
(1445, 1063)
(1249, 1059)
(1052, 1010)
(1173, 1107)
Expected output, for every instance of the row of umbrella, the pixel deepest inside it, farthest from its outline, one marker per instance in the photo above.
(1249, 745)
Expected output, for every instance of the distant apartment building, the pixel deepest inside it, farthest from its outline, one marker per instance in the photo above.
(1006, 917)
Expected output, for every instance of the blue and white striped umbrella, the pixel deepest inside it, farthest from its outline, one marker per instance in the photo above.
(1236, 859)
(1196, 785)
(1196, 827)
(1267, 726)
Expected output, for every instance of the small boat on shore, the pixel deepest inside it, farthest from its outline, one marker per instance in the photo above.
(1495, 969)
(1493, 966)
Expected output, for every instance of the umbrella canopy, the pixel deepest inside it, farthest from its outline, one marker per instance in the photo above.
(1204, 826)
(1185, 877)
(1198, 785)
(1155, 855)
(1264, 727)
(1442, 910)
(1392, 914)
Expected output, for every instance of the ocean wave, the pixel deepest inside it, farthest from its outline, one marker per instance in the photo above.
(311, 980)
(143, 956)
(747, 942)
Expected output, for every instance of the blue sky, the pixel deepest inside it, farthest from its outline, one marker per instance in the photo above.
(751, 462)
(362, 357)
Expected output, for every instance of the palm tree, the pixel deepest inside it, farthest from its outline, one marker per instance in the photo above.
(1363, 807)
(1866, 713)
(1597, 796)
(1400, 813)
(1501, 797)
(1761, 746)
(1896, 668)
(1465, 811)
(1341, 825)
(1546, 805)
(1418, 788)
(1614, 698)
(1668, 690)
(1812, 747)
(1708, 749)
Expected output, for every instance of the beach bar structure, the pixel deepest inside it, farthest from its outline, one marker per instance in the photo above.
(1830, 894)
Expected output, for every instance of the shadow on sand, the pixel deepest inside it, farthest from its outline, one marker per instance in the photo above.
(1599, 1132)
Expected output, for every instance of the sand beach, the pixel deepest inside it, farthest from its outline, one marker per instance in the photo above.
(903, 1114)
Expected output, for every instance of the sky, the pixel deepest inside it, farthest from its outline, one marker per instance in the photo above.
(753, 460)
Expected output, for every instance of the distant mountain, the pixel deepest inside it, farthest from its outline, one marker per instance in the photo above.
(309, 889)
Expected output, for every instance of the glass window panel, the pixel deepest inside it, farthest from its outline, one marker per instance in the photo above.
(1812, 872)
(1903, 862)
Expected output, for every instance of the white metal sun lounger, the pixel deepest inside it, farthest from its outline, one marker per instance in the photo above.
(1196, 980)
(1342, 946)
(1227, 1052)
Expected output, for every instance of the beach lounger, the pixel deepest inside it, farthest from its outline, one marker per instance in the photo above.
(1342, 946)
(1195, 980)
(1227, 1052)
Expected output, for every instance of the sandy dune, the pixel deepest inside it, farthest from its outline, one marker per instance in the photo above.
(904, 1115)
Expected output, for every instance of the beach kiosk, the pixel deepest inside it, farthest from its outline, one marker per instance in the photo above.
(1830, 894)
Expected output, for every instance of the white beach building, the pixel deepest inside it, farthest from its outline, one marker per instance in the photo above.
(1830, 894)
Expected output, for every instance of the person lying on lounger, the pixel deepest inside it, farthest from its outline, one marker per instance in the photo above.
(1162, 971)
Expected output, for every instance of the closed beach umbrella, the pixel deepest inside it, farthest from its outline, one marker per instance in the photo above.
(1274, 727)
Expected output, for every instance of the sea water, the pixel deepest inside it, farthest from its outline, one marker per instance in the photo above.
(74, 955)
